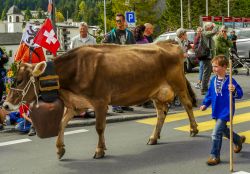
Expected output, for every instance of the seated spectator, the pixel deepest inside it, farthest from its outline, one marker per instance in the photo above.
(25, 123)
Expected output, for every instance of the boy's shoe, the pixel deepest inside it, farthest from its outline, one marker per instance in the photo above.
(1, 126)
(237, 148)
(32, 131)
(198, 86)
(212, 161)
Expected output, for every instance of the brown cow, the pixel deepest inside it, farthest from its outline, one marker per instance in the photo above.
(101, 75)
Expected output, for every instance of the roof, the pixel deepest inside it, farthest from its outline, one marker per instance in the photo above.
(10, 38)
(14, 10)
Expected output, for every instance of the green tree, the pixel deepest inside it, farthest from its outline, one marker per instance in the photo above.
(27, 15)
(4, 15)
(59, 17)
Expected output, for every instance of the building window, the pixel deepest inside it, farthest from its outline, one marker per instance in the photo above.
(10, 19)
(17, 18)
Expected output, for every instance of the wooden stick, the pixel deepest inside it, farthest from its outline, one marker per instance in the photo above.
(231, 119)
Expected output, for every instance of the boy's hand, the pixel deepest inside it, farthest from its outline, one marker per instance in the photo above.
(203, 107)
(231, 87)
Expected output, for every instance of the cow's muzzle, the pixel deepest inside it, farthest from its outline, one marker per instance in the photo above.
(10, 107)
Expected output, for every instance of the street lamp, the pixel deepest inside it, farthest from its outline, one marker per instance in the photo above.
(228, 8)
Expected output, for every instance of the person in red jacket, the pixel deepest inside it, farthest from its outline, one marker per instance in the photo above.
(29, 54)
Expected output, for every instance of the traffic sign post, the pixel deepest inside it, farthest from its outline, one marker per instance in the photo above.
(130, 18)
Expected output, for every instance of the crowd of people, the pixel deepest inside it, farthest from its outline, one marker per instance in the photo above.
(211, 46)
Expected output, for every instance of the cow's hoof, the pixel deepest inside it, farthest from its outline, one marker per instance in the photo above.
(60, 153)
(99, 155)
(194, 132)
(152, 141)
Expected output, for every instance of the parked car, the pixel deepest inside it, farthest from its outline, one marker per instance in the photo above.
(191, 61)
(243, 42)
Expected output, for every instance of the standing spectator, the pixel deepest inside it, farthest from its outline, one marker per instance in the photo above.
(222, 42)
(198, 42)
(138, 34)
(29, 54)
(210, 29)
(28, 51)
(84, 38)
(120, 35)
(181, 39)
(149, 29)
(140, 38)
(3, 60)
(218, 97)
(233, 38)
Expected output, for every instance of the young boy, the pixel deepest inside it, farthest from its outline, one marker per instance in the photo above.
(218, 97)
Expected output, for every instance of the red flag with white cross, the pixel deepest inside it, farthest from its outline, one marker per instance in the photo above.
(46, 37)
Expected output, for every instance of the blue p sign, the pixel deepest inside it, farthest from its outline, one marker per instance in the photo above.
(130, 17)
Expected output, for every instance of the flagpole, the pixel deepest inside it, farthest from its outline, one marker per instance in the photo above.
(231, 118)
(53, 14)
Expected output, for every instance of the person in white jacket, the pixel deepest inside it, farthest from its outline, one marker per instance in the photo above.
(84, 38)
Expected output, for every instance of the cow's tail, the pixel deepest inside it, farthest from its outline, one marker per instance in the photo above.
(191, 94)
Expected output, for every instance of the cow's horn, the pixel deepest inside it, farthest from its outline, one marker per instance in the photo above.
(39, 69)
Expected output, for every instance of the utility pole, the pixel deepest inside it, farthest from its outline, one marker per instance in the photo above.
(206, 7)
(181, 15)
(228, 8)
(53, 14)
(105, 23)
(189, 15)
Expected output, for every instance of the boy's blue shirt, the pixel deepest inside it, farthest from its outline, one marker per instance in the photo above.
(220, 101)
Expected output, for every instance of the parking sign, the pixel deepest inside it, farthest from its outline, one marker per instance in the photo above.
(130, 18)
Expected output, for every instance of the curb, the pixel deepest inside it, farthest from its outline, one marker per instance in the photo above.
(113, 119)
(110, 119)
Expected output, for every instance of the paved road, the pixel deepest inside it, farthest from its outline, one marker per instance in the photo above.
(127, 153)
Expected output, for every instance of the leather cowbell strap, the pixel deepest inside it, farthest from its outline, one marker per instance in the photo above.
(49, 83)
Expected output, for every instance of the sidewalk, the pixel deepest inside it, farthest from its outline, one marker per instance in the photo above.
(138, 113)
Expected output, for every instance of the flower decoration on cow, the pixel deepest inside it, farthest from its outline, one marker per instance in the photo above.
(11, 74)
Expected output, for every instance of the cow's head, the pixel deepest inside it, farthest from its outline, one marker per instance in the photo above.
(25, 85)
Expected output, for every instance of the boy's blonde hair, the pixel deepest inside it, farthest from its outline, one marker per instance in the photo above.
(221, 60)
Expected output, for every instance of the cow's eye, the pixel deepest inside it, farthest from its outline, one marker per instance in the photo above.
(18, 82)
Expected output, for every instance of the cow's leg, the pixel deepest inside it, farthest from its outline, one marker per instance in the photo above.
(189, 109)
(162, 110)
(60, 139)
(100, 113)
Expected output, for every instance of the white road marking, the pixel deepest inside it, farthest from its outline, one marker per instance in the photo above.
(28, 140)
(15, 142)
(241, 172)
(75, 131)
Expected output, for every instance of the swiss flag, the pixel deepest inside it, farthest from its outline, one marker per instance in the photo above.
(46, 37)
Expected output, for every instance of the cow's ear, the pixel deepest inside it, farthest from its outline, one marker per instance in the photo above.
(39, 69)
